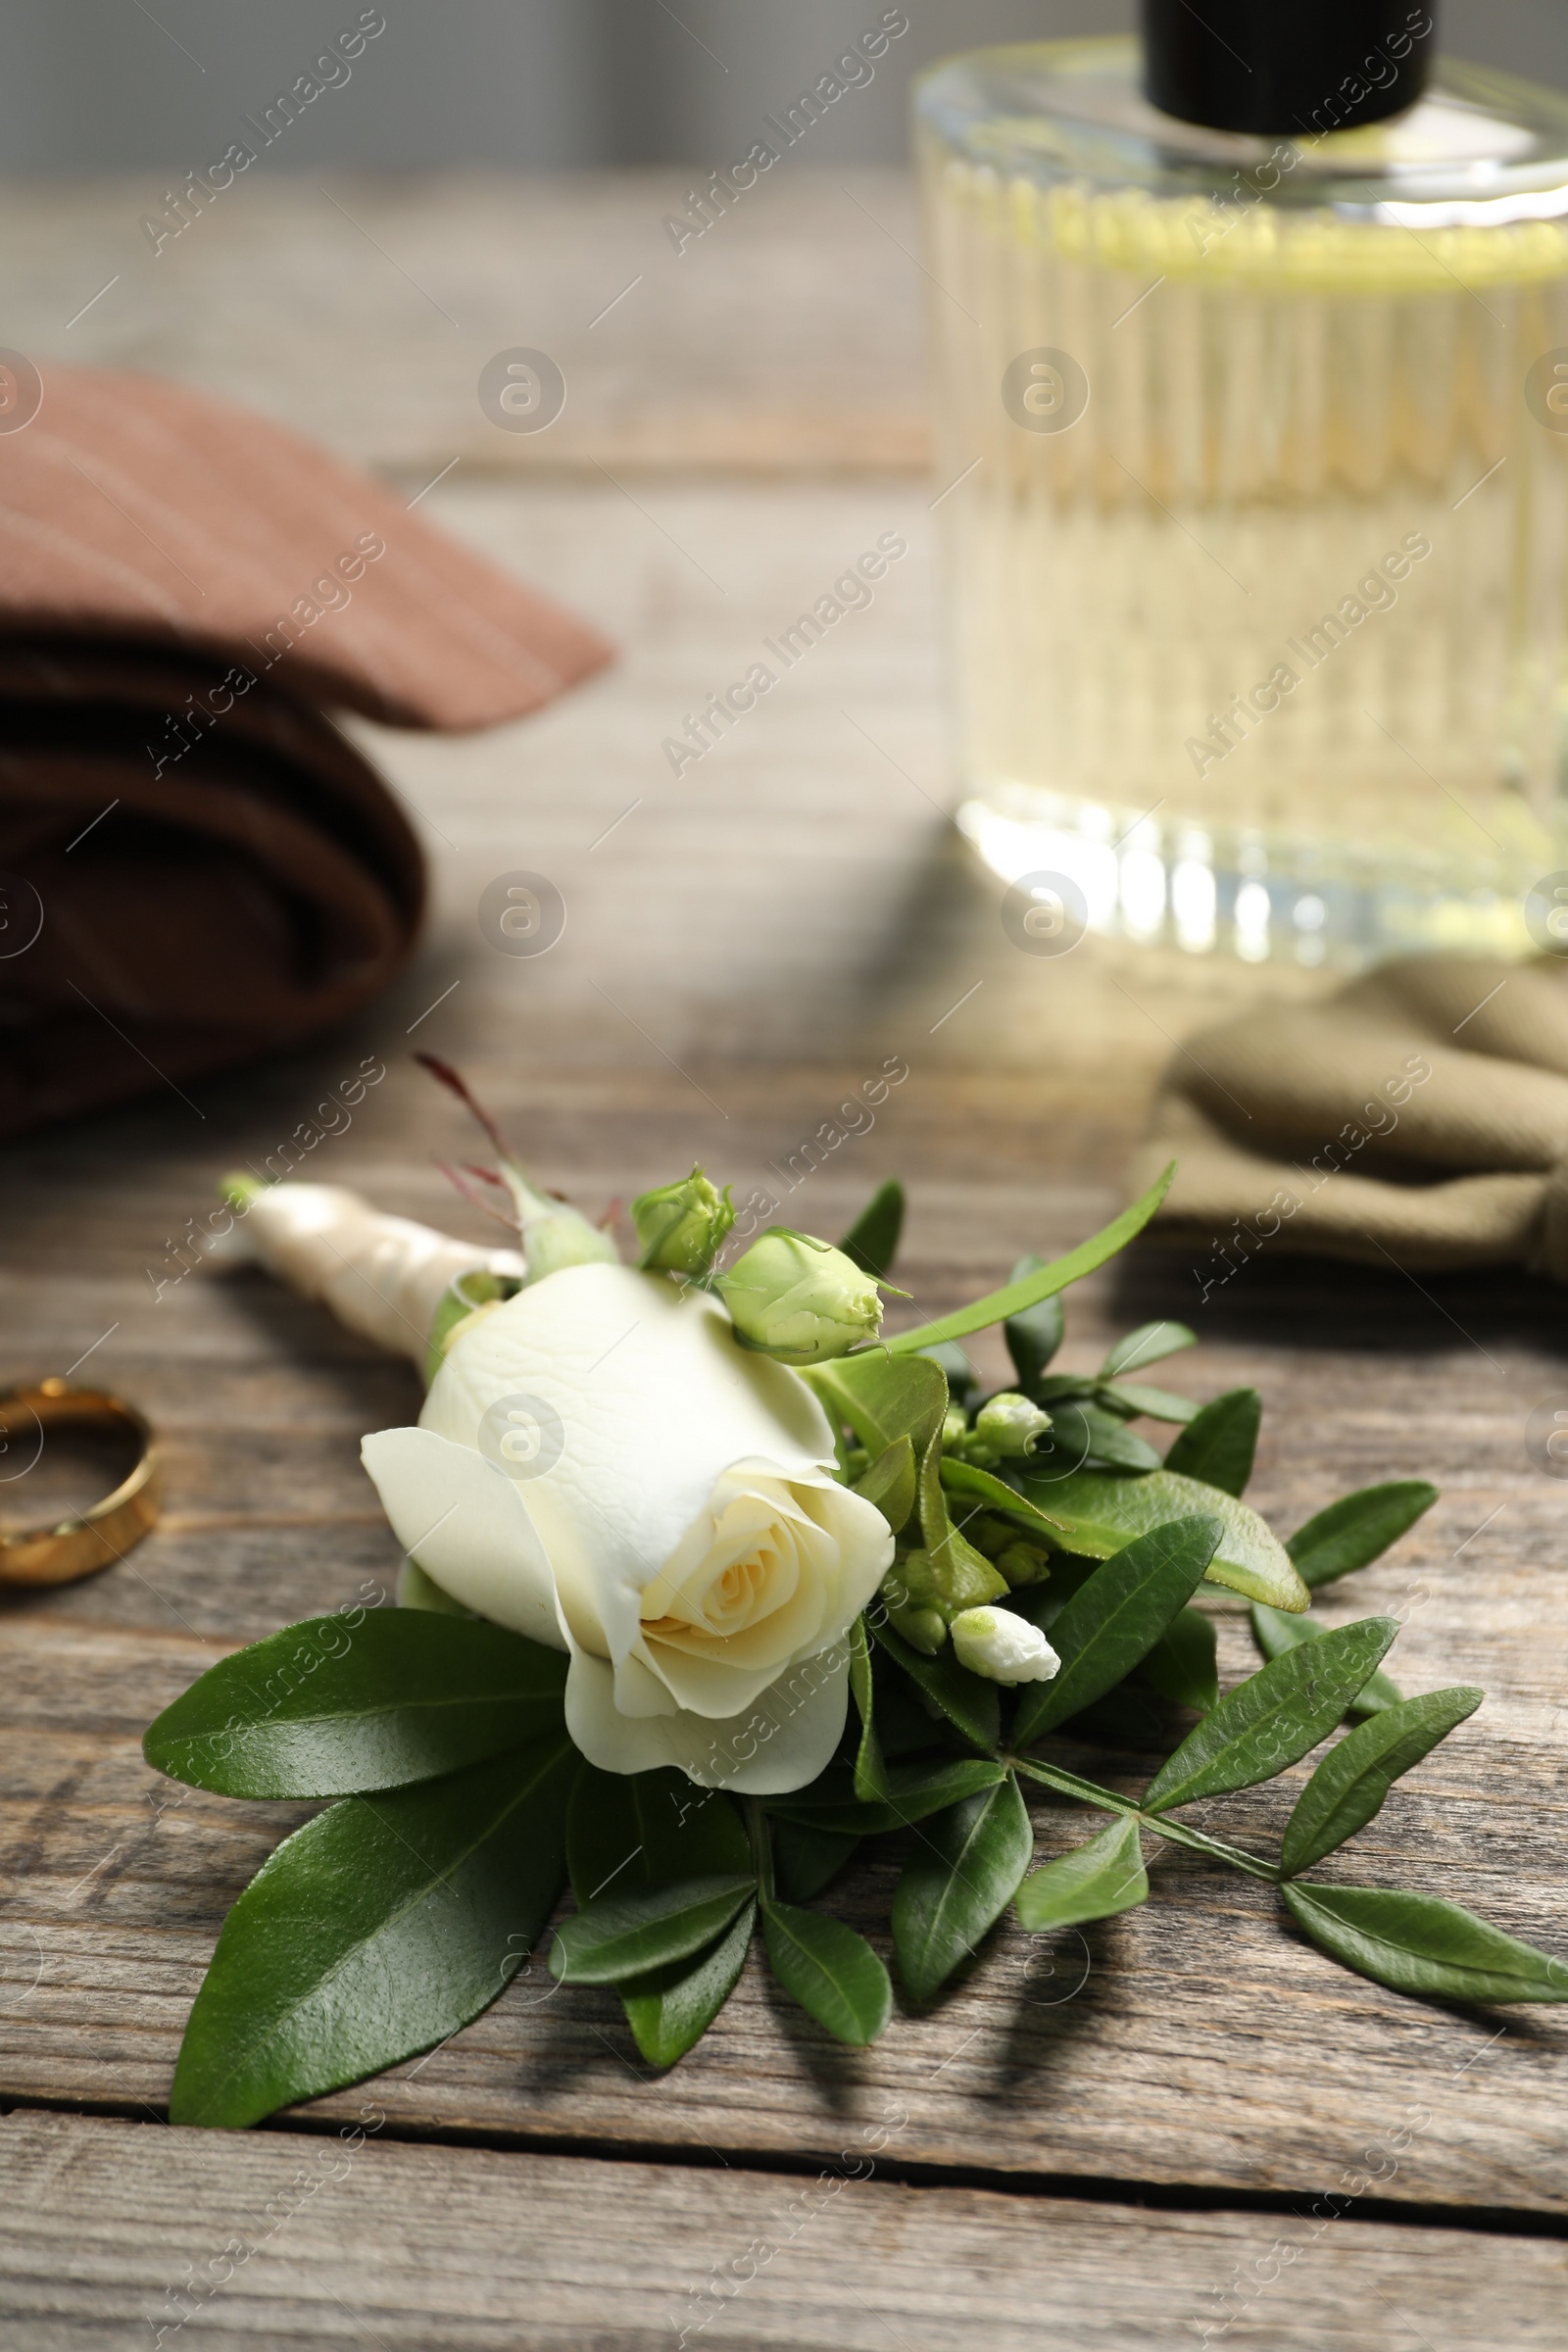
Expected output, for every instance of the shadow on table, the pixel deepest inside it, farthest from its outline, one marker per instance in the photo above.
(1315, 1302)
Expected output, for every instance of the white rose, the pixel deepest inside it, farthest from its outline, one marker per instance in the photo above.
(1003, 1647)
(678, 1530)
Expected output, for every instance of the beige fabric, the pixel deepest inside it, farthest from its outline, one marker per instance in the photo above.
(1418, 1115)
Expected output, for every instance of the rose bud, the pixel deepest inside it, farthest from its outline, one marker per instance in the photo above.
(800, 1299)
(909, 1593)
(1003, 1647)
(1006, 1426)
(1023, 1563)
(682, 1226)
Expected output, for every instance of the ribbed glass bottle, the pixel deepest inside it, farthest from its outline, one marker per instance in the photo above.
(1255, 468)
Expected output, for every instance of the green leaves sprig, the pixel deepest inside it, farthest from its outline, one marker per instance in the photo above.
(457, 1807)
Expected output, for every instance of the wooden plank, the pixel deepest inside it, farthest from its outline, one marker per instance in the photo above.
(787, 340)
(295, 2241)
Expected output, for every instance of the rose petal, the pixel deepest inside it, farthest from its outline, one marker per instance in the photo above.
(781, 1742)
(468, 1526)
(866, 1547)
(656, 1399)
(843, 1546)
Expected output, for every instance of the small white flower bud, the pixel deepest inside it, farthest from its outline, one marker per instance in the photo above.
(1003, 1647)
(1007, 1425)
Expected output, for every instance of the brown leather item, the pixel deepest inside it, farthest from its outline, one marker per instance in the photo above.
(195, 866)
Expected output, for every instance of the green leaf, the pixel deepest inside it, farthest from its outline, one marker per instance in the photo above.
(1097, 1513)
(871, 1772)
(1273, 1718)
(1065, 1446)
(323, 1709)
(905, 1725)
(1182, 1665)
(882, 1397)
(890, 1483)
(1147, 1345)
(628, 1831)
(1275, 1632)
(375, 1931)
(1218, 1444)
(998, 1306)
(963, 1874)
(827, 1968)
(1043, 1603)
(965, 1576)
(1159, 1404)
(1350, 1783)
(1094, 1882)
(639, 1829)
(1125, 1719)
(1033, 1337)
(625, 1934)
(1420, 1944)
(913, 1790)
(962, 1381)
(964, 1478)
(971, 1704)
(671, 2009)
(1357, 1529)
(1114, 1621)
(1112, 1441)
(1107, 1397)
(873, 1241)
(805, 1859)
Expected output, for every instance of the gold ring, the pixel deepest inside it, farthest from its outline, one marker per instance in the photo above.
(95, 1538)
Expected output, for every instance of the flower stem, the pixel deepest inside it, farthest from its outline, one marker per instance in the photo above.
(1090, 1792)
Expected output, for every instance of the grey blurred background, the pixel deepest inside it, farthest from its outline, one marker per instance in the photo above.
(105, 85)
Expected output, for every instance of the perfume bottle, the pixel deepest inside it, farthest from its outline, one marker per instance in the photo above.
(1251, 357)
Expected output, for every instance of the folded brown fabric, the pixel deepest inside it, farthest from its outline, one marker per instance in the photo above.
(195, 866)
(1418, 1116)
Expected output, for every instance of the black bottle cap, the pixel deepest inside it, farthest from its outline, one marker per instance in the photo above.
(1290, 67)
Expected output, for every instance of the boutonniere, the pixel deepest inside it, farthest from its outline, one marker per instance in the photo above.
(706, 1582)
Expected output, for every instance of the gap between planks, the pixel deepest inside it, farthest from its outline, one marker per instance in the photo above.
(1077, 2188)
(110, 2227)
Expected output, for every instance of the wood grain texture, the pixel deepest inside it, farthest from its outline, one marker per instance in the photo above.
(785, 341)
(291, 2241)
(1195, 2040)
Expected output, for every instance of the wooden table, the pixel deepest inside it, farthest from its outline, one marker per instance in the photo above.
(1111, 2139)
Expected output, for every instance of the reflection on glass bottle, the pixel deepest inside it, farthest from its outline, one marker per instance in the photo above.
(1257, 526)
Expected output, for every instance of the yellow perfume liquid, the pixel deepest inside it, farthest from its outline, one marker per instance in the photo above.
(1255, 463)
